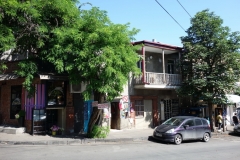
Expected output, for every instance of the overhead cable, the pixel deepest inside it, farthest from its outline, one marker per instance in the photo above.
(171, 16)
(184, 9)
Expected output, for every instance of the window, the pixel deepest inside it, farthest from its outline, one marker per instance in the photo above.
(15, 107)
(170, 66)
(139, 108)
(204, 122)
(198, 122)
(190, 123)
(139, 64)
(56, 93)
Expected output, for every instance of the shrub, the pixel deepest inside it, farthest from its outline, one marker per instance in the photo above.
(99, 132)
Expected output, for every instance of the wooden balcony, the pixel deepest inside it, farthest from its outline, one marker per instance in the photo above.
(152, 78)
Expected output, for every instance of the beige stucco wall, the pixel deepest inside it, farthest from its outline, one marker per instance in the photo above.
(146, 121)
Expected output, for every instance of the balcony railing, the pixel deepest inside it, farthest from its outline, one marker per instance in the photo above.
(160, 79)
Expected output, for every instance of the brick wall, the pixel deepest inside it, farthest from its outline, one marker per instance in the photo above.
(5, 103)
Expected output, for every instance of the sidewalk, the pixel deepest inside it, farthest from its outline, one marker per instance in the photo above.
(127, 135)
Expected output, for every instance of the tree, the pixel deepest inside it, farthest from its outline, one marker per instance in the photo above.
(210, 62)
(84, 44)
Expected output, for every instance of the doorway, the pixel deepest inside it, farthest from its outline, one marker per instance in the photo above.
(217, 110)
(52, 118)
(115, 116)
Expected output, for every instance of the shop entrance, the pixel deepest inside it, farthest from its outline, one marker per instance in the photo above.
(115, 116)
(52, 118)
(217, 110)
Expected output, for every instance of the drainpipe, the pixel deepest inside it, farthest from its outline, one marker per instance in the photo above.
(143, 65)
(163, 65)
(179, 59)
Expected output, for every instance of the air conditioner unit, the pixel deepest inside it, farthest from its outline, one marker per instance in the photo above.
(78, 88)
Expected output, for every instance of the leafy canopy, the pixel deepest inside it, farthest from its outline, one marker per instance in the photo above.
(210, 62)
(83, 44)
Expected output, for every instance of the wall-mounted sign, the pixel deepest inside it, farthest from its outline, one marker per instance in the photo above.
(103, 105)
(94, 103)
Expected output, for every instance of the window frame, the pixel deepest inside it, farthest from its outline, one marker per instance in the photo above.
(139, 109)
(14, 109)
(54, 85)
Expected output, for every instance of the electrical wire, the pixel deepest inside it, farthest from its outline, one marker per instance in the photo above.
(170, 15)
(184, 9)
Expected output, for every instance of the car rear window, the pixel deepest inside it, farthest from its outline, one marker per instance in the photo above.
(204, 122)
(198, 122)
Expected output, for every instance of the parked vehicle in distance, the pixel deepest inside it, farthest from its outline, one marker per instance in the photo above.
(181, 128)
(236, 129)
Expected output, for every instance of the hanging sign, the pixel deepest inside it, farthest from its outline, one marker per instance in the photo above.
(94, 103)
(103, 105)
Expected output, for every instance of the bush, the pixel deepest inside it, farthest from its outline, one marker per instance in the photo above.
(99, 132)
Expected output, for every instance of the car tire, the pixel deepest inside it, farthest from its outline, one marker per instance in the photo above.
(178, 139)
(206, 137)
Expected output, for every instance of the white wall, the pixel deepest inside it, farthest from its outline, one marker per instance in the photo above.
(146, 121)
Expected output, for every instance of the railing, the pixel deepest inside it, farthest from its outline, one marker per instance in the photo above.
(160, 79)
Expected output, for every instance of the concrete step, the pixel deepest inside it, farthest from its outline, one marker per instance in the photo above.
(12, 130)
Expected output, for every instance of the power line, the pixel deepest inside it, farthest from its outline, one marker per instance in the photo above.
(170, 15)
(184, 9)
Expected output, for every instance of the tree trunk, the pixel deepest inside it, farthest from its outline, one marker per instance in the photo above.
(211, 117)
(97, 113)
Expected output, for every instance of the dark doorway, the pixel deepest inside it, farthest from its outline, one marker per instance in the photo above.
(115, 116)
(78, 104)
(217, 110)
(52, 118)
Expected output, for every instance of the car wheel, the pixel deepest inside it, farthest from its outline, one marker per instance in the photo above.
(178, 139)
(206, 137)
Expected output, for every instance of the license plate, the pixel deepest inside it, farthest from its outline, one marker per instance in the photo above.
(159, 134)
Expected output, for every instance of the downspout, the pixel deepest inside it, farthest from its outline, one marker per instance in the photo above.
(143, 65)
(180, 71)
(164, 77)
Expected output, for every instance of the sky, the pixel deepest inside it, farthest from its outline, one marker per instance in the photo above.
(155, 23)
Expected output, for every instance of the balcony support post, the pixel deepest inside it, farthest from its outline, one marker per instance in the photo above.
(163, 65)
(143, 65)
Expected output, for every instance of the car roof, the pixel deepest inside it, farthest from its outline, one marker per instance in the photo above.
(187, 117)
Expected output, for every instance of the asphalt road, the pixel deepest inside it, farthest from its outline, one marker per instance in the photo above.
(218, 148)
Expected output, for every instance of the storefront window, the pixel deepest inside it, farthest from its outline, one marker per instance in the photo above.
(139, 109)
(56, 93)
(15, 107)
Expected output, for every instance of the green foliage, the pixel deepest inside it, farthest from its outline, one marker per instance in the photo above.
(84, 44)
(99, 132)
(21, 113)
(210, 62)
(27, 69)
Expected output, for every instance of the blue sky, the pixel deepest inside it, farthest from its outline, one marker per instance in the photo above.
(155, 23)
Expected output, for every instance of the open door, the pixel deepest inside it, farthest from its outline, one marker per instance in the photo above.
(217, 110)
(115, 115)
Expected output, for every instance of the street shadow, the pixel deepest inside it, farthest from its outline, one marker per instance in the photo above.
(72, 136)
(234, 134)
(151, 139)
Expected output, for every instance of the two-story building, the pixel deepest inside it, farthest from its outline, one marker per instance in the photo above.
(150, 98)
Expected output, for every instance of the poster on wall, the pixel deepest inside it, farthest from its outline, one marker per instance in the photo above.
(106, 113)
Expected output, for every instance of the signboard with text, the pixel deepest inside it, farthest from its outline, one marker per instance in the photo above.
(94, 103)
(103, 105)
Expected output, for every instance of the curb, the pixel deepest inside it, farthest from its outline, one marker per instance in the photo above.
(75, 142)
(86, 141)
